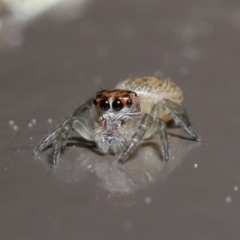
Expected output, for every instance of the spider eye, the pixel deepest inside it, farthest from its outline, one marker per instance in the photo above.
(133, 93)
(94, 101)
(129, 103)
(117, 105)
(104, 105)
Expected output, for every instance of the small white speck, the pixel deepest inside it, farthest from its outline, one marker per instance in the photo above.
(192, 53)
(102, 51)
(235, 19)
(173, 157)
(127, 31)
(11, 122)
(205, 28)
(195, 165)
(158, 73)
(30, 125)
(235, 188)
(31, 138)
(184, 70)
(148, 200)
(56, 224)
(5, 169)
(34, 121)
(127, 226)
(88, 27)
(188, 34)
(15, 127)
(49, 120)
(228, 199)
(97, 80)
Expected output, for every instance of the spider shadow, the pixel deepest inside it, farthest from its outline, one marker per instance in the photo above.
(143, 168)
(78, 142)
(148, 144)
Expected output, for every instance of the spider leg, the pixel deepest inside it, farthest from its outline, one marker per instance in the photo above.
(83, 108)
(84, 129)
(159, 126)
(177, 113)
(164, 140)
(60, 142)
(61, 133)
(136, 138)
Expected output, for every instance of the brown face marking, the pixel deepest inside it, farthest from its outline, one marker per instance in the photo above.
(118, 99)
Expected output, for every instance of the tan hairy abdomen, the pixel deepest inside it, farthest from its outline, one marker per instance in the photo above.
(152, 90)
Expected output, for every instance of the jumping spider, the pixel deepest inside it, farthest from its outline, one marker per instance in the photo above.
(135, 110)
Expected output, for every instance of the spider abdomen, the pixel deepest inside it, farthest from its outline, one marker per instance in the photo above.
(152, 90)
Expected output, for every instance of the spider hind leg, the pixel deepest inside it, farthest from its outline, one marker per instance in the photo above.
(179, 116)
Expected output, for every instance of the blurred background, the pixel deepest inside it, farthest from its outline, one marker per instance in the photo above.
(54, 55)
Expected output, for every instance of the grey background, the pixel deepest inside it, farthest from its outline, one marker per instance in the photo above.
(60, 65)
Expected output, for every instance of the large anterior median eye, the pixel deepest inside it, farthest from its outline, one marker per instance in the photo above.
(117, 105)
(104, 104)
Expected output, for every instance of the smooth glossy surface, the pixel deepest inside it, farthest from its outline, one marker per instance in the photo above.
(60, 65)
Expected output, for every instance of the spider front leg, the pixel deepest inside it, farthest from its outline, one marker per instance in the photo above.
(177, 113)
(60, 134)
(136, 138)
(149, 125)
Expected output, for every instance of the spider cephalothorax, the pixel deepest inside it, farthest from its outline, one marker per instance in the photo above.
(137, 109)
(114, 112)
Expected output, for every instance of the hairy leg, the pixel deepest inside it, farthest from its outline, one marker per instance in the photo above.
(60, 134)
(159, 126)
(136, 138)
(177, 113)
(164, 140)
